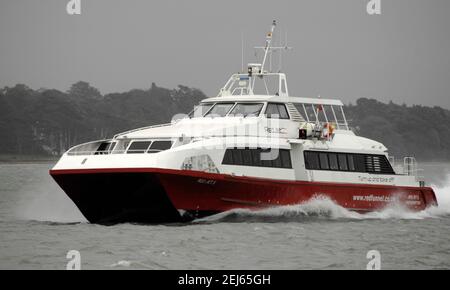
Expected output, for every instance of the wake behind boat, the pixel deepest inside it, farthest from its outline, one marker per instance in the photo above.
(253, 146)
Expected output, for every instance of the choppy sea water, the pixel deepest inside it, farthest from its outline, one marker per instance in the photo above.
(39, 225)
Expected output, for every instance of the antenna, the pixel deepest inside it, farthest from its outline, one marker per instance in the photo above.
(286, 47)
(279, 55)
(242, 51)
(246, 81)
(270, 49)
(267, 46)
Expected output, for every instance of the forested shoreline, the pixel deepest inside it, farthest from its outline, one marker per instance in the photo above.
(46, 122)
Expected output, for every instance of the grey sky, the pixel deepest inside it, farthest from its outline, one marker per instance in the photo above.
(339, 51)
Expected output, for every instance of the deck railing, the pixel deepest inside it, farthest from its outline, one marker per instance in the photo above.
(142, 128)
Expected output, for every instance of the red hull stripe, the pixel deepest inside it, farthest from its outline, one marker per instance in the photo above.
(194, 190)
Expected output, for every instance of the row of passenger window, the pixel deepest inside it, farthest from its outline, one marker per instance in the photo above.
(149, 146)
(258, 157)
(136, 147)
(347, 162)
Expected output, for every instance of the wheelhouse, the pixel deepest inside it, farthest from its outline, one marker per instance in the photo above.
(315, 111)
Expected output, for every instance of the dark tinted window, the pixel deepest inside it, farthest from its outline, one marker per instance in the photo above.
(266, 158)
(283, 112)
(333, 161)
(360, 164)
(228, 157)
(342, 158)
(368, 163)
(272, 110)
(237, 157)
(104, 148)
(258, 157)
(312, 160)
(160, 146)
(138, 147)
(285, 159)
(276, 111)
(347, 162)
(378, 164)
(351, 164)
(324, 161)
(246, 157)
(276, 161)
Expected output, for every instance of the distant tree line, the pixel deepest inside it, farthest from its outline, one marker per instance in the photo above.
(47, 122)
(416, 130)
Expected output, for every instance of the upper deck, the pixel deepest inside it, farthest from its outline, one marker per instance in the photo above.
(310, 110)
(274, 98)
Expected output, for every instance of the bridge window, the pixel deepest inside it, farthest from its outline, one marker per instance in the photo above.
(220, 110)
(246, 109)
(347, 162)
(276, 111)
(258, 157)
(200, 110)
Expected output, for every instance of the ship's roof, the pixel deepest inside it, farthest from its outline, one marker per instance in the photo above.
(273, 98)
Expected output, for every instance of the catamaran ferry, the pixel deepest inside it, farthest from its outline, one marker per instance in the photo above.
(252, 146)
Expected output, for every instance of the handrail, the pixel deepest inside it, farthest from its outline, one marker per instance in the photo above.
(410, 168)
(107, 152)
(142, 128)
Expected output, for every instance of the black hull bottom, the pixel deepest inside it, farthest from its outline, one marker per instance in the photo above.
(110, 198)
